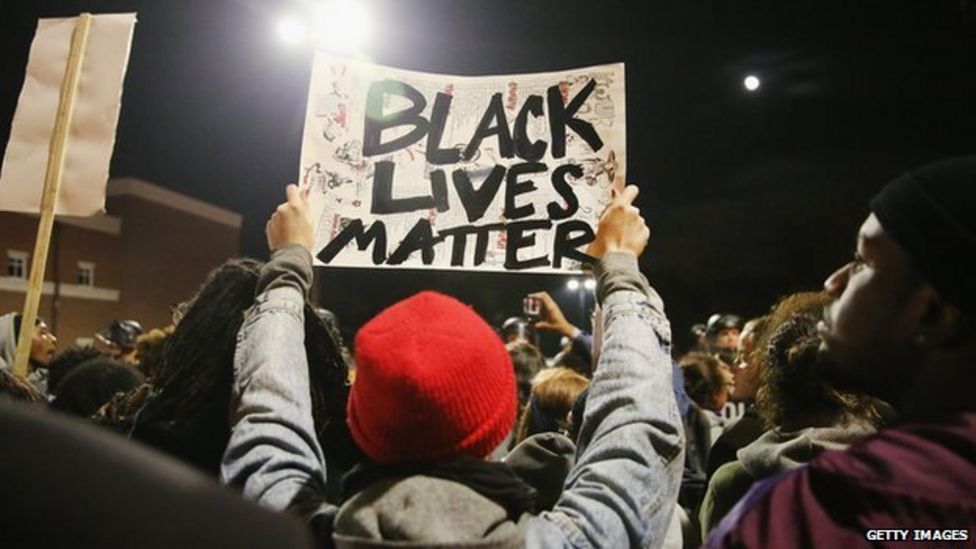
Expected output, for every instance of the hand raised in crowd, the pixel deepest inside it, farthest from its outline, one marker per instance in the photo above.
(551, 318)
(621, 228)
(291, 223)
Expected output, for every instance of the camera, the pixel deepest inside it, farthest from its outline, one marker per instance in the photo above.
(531, 307)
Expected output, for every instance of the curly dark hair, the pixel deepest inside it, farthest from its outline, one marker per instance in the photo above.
(66, 361)
(184, 410)
(87, 387)
(791, 394)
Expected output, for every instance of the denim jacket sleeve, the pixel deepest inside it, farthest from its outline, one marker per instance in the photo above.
(273, 454)
(620, 493)
(623, 488)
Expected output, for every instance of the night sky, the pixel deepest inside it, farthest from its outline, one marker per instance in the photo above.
(749, 196)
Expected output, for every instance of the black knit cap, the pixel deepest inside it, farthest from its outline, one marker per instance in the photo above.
(931, 214)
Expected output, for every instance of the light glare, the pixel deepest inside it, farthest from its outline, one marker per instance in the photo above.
(751, 83)
(342, 26)
(291, 31)
(572, 284)
(589, 284)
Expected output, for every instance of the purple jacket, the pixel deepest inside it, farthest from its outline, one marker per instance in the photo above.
(917, 476)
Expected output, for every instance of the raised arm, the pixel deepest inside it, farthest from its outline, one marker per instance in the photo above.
(273, 454)
(623, 489)
(553, 320)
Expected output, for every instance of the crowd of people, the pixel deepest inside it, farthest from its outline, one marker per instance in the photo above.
(837, 413)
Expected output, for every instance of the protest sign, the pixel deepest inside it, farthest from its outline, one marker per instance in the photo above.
(92, 130)
(495, 173)
(63, 129)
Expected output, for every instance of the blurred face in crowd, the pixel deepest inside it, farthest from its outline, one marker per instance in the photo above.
(745, 373)
(727, 339)
(127, 355)
(869, 331)
(722, 394)
(43, 344)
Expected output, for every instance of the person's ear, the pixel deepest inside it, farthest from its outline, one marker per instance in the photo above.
(941, 321)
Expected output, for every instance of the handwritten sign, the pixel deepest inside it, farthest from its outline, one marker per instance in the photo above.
(495, 173)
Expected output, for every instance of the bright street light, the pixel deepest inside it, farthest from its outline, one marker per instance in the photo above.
(342, 26)
(291, 31)
(751, 82)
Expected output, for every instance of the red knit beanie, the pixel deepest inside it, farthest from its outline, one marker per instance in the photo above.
(433, 382)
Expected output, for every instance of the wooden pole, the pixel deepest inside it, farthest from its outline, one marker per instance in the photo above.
(52, 186)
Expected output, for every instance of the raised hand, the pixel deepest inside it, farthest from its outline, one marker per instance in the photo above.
(621, 228)
(291, 223)
(551, 318)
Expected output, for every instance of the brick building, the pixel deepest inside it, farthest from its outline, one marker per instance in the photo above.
(153, 248)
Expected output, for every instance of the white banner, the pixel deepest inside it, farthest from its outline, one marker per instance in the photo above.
(492, 173)
(91, 136)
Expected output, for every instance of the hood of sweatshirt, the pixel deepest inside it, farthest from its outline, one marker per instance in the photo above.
(8, 341)
(777, 451)
(421, 511)
(543, 461)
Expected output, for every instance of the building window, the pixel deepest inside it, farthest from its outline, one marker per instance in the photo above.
(16, 264)
(86, 273)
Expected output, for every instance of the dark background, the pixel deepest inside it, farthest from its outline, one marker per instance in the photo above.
(749, 196)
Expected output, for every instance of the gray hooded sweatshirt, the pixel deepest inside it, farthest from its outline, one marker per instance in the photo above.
(772, 453)
(424, 508)
(8, 341)
(777, 451)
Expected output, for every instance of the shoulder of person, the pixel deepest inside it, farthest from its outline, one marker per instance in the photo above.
(424, 509)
